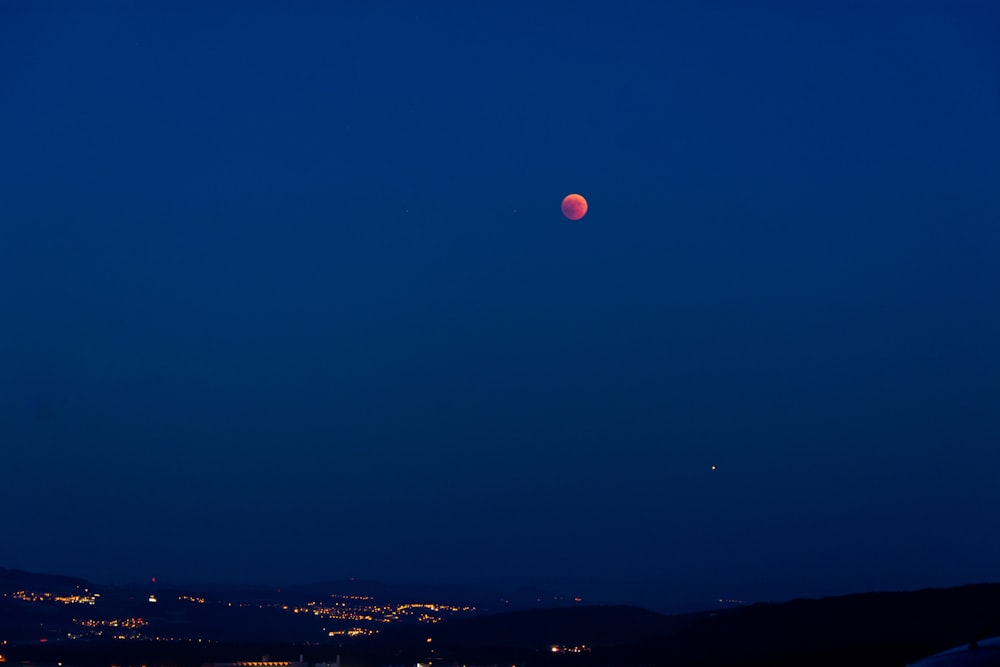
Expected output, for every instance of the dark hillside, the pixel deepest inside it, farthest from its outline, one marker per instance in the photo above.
(871, 628)
(543, 628)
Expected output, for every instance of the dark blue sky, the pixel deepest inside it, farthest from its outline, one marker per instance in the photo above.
(287, 294)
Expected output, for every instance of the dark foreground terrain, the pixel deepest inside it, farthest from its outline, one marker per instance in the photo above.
(883, 629)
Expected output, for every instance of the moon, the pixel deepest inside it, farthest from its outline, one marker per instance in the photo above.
(574, 207)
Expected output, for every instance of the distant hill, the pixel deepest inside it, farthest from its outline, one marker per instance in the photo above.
(15, 580)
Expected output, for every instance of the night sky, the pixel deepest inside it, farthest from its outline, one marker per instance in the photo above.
(287, 295)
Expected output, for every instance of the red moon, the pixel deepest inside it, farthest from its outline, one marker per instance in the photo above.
(574, 207)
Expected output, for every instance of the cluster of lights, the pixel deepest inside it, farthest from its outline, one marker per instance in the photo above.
(583, 648)
(346, 614)
(404, 608)
(377, 613)
(130, 623)
(357, 608)
(31, 596)
(352, 632)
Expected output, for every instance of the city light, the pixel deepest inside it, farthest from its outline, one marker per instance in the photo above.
(361, 612)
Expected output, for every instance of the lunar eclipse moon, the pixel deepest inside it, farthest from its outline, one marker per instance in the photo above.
(574, 207)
